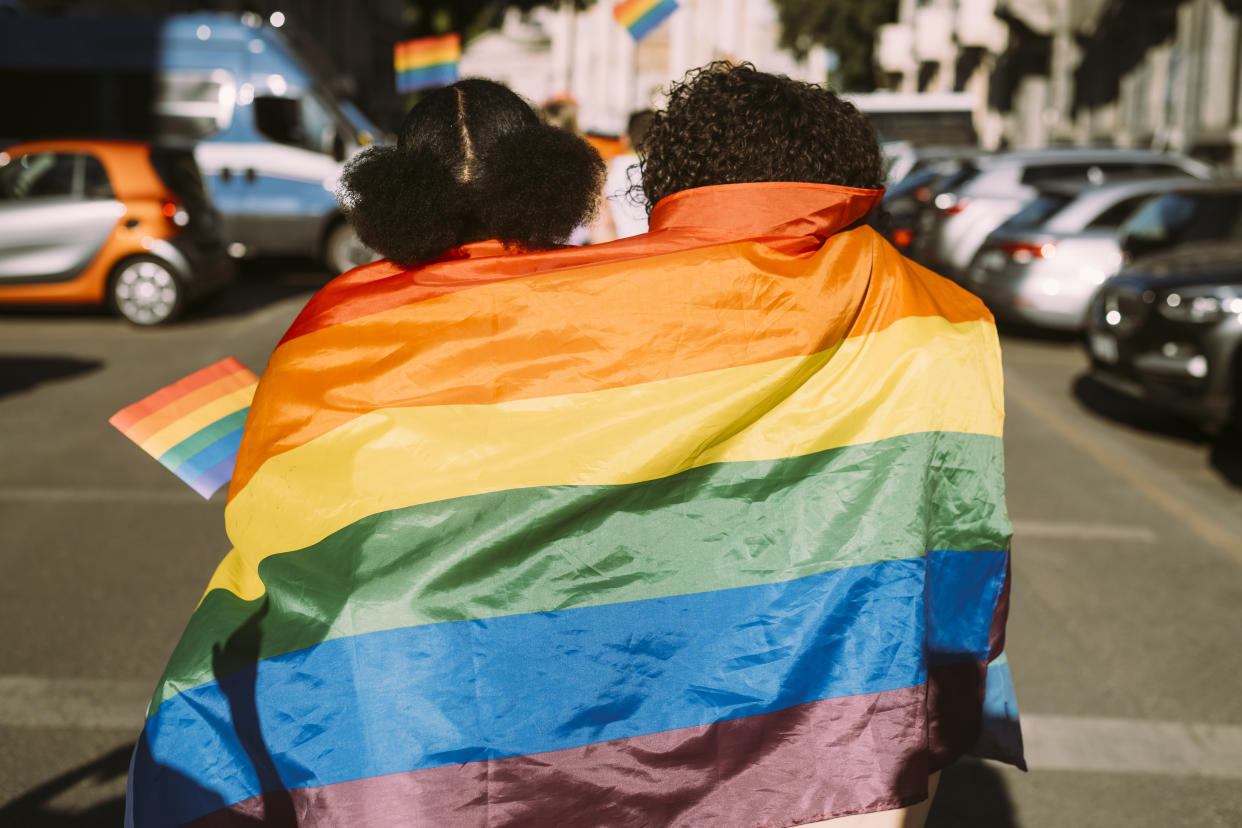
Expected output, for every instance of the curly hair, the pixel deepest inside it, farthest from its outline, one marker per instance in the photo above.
(729, 123)
(472, 162)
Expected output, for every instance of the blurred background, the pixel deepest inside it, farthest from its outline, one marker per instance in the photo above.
(167, 178)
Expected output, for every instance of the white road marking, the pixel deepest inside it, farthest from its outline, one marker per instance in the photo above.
(1053, 743)
(1145, 479)
(88, 704)
(1062, 530)
(1078, 743)
(60, 495)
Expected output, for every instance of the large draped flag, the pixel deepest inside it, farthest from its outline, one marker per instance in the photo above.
(704, 527)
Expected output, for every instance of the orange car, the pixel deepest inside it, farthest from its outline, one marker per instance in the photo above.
(118, 222)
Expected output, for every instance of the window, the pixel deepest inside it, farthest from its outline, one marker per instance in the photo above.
(1052, 172)
(95, 184)
(304, 122)
(1037, 212)
(38, 175)
(54, 175)
(193, 105)
(1114, 216)
(1178, 218)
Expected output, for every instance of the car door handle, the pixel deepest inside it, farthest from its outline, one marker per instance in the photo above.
(226, 175)
(131, 223)
(251, 175)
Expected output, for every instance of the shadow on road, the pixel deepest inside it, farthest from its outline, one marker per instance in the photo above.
(21, 373)
(1015, 330)
(37, 807)
(1224, 450)
(262, 282)
(972, 794)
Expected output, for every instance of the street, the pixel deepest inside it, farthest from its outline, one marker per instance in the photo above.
(1123, 637)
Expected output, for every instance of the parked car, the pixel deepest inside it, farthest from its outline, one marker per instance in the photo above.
(1168, 330)
(951, 234)
(905, 201)
(1042, 265)
(117, 222)
(270, 137)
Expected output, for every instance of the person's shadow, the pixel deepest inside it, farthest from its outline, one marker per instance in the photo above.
(972, 794)
(36, 808)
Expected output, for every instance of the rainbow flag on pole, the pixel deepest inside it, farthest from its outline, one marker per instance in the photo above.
(426, 62)
(705, 527)
(194, 426)
(641, 16)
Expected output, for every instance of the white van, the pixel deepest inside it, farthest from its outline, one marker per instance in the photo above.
(268, 137)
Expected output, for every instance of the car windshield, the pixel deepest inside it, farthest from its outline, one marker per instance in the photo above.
(911, 183)
(1178, 218)
(179, 172)
(1037, 212)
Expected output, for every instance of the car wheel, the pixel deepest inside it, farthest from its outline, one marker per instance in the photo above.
(344, 251)
(145, 291)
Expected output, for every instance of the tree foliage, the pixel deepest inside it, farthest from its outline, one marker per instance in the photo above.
(848, 27)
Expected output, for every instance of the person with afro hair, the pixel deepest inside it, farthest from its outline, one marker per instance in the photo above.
(700, 528)
(472, 162)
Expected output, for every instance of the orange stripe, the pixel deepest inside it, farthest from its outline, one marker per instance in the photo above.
(125, 419)
(188, 404)
(590, 329)
(428, 44)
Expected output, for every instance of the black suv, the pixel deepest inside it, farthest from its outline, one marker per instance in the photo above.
(1168, 330)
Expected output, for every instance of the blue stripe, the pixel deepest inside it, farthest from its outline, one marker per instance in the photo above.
(421, 697)
(210, 457)
(958, 623)
(656, 15)
(209, 481)
(441, 74)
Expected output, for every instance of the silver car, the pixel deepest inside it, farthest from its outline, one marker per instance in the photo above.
(951, 233)
(1042, 266)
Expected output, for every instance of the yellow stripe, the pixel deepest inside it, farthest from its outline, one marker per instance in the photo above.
(920, 374)
(194, 422)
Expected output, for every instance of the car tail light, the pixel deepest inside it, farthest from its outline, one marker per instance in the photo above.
(1023, 252)
(175, 213)
(950, 204)
(902, 238)
(923, 193)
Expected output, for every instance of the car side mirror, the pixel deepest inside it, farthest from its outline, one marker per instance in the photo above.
(1133, 246)
(1126, 243)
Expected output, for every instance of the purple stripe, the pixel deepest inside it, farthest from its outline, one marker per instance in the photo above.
(809, 762)
(215, 477)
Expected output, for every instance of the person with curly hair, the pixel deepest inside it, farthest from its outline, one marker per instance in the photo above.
(700, 528)
(472, 162)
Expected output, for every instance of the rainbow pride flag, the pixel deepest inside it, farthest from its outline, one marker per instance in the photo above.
(194, 426)
(703, 527)
(640, 17)
(426, 62)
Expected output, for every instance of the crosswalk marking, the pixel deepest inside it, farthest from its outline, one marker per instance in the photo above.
(1053, 742)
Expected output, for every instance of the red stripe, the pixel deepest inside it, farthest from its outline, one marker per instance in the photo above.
(128, 416)
(814, 761)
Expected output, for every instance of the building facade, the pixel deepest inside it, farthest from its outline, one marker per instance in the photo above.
(586, 56)
(1161, 74)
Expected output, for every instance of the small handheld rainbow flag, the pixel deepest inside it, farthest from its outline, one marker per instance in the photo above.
(194, 426)
(426, 62)
(641, 16)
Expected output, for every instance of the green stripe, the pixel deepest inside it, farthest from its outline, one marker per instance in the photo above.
(200, 440)
(538, 549)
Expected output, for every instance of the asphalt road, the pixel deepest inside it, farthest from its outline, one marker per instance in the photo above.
(1125, 638)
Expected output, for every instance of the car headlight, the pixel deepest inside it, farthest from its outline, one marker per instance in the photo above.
(1201, 305)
